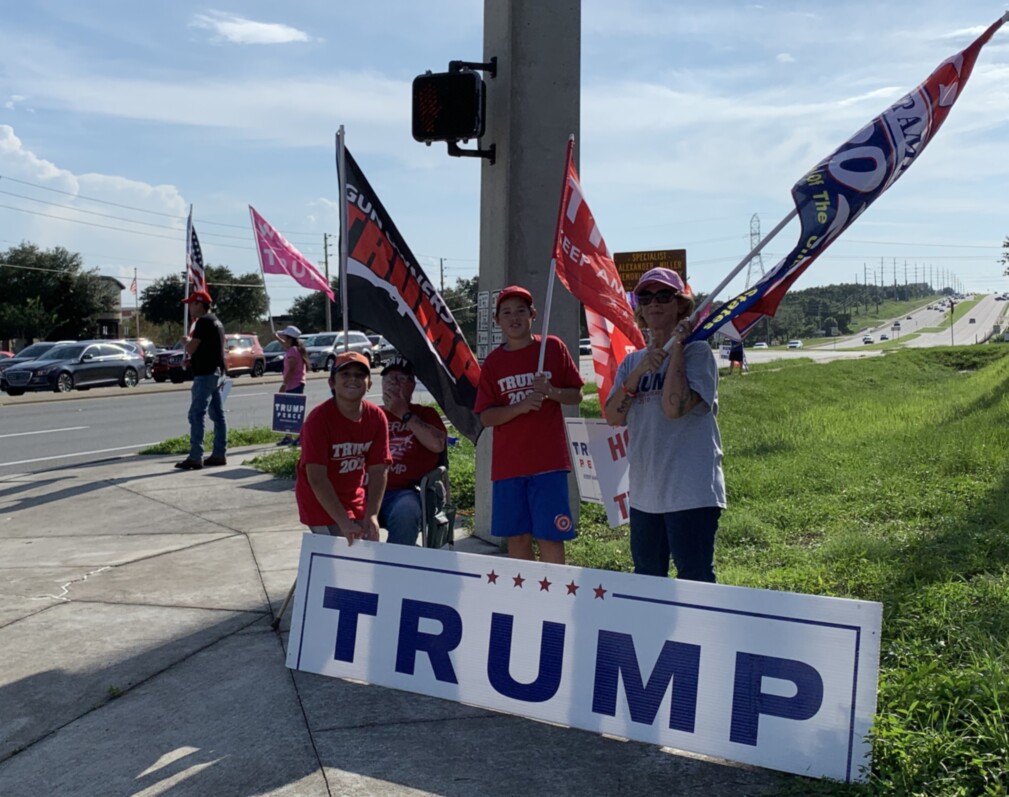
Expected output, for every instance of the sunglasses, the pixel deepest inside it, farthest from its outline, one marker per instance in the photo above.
(662, 297)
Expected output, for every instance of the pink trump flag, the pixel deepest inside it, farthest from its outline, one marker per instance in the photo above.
(277, 256)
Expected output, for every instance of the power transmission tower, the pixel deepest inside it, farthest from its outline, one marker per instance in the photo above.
(756, 262)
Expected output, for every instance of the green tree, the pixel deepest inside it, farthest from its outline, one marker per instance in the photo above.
(308, 312)
(48, 294)
(461, 300)
(238, 300)
(1005, 255)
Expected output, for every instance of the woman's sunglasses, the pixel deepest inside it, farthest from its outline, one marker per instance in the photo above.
(662, 297)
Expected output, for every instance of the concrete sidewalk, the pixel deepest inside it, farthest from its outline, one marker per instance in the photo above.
(138, 659)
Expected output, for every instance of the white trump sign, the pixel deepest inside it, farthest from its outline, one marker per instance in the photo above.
(599, 458)
(774, 679)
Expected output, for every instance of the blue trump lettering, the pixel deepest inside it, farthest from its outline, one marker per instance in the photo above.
(437, 646)
(548, 679)
(677, 662)
(749, 701)
(349, 603)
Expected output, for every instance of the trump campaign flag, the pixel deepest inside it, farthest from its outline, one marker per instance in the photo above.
(841, 186)
(585, 267)
(388, 292)
(277, 256)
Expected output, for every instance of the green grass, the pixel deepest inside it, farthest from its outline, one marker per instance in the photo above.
(883, 479)
(236, 437)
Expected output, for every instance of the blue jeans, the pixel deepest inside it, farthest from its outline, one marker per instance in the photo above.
(400, 516)
(688, 536)
(206, 397)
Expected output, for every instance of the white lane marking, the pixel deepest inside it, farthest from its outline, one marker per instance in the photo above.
(247, 395)
(45, 431)
(79, 454)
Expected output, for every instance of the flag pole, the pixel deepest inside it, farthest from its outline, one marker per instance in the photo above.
(262, 271)
(553, 256)
(341, 168)
(732, 274)
(189, 268)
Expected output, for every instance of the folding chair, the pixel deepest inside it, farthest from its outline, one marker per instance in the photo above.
(437, 514)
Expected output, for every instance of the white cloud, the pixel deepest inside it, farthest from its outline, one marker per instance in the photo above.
(784, 58)
(239, 30)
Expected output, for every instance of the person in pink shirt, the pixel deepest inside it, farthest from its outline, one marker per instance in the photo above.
(295, 368)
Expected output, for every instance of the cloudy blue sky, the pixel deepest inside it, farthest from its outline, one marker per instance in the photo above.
(115, 116)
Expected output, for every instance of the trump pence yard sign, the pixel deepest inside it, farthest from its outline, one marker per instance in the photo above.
(775, 679)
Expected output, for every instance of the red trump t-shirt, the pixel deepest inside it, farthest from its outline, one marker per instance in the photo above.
(410, 460)
(347, 449)
(534, 442)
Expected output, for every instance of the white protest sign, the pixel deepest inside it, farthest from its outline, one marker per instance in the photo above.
(599, 458)
(775, 679)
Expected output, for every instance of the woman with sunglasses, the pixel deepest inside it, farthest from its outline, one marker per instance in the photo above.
(668, 402)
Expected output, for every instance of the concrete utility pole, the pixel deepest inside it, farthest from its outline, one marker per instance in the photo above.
(533, 106)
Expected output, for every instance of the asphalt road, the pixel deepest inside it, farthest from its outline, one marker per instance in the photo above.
(42, 431)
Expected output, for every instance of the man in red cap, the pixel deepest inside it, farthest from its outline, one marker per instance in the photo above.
(342, 441)
(529, 461)
(206, 352)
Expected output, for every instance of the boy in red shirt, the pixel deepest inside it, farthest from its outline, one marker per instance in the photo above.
(341, 441)
(530, 462)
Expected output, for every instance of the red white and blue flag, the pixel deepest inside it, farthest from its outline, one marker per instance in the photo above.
(194, 257)
(841, 186)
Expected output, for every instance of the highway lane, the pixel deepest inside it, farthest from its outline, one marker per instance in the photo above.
(47, 431)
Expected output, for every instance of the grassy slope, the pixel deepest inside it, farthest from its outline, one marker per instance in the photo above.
(882, 479)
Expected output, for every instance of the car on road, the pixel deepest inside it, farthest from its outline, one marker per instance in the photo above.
(28, 353)
(242, 355)
(908, 318)
(274, 354)
(883, 337)
(322, 348)
(83, 365)
(795, 344)
(585, 347)
(382, 350)
(760, 345)
(868, 339)
(970, 321)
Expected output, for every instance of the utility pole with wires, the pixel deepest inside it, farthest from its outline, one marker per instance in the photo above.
(329, 304)
(757, 265)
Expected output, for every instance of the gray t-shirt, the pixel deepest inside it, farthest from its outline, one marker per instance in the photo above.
(675, 464)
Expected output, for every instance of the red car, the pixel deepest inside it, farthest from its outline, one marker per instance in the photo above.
(243, 355)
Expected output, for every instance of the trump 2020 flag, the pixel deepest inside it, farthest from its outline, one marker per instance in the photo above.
(277, 256)
(388, 292)
(841, 186)
(585, 267)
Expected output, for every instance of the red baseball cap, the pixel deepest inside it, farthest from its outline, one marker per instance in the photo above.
(509, 292)
(350, 358)
(199, 296)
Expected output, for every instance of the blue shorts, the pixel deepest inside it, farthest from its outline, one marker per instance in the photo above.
(533, 504)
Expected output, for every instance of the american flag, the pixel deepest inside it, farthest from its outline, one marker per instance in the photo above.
(133, 286)
(194, 257)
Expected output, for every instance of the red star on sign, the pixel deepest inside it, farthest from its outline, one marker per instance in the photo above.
(492, 577)
(519, 581)
(544, 585)
(572, 588)
(600, 592)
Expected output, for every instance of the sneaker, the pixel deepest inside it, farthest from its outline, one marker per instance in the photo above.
(190, 464)
(210, 462)
(287, 441)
